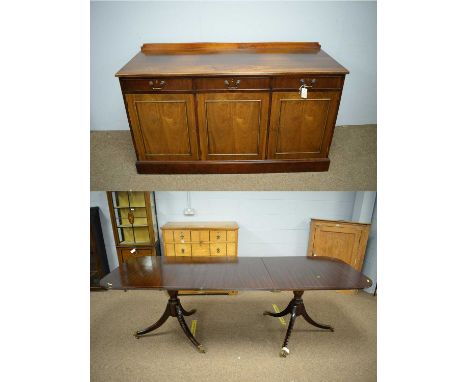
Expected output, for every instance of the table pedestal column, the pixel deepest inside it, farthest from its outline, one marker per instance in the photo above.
(173, 309)
(295, 308)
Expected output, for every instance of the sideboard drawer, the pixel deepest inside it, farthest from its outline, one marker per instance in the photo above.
(156, 84)
(128, 253)
(313, 81)
(233, 83)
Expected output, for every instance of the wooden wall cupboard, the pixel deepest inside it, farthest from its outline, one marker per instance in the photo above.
(232, 108)
(134, 223)
(343, 240)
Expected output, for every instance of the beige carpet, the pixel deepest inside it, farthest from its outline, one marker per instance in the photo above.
(241, 343)
(353, 167)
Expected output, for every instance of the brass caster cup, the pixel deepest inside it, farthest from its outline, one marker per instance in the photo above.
(201, 349)
(284, 352)
(136, 335)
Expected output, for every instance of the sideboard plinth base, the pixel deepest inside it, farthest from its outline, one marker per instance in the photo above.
(232, 167)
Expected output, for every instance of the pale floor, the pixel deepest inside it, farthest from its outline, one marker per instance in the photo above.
(241, 343)
(353, 167)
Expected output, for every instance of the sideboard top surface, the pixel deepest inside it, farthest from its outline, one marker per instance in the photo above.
(217, 59)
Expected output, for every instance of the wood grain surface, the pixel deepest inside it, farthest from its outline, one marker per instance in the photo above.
(235, 273)
(216, 59)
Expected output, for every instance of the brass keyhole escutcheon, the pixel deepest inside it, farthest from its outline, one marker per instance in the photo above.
(218, 237)
(183, 250)
(218, 250)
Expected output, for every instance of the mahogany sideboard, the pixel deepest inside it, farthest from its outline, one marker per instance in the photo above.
(232, 107)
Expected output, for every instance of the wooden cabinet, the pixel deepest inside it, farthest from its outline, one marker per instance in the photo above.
(232, 107)
(134, 223)
(200, 239)
(346, 241)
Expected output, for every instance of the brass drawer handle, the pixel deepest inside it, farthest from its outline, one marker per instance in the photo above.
(218, 237)
(162, 84)
(232, 84)
(310, 84)
(218, 250)
(133, 251)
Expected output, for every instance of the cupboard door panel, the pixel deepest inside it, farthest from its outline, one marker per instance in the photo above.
(163, 126)
(302, 128)
(170, 251)
(233, 125)
(338, 242)
(199, 236)
(200, 249)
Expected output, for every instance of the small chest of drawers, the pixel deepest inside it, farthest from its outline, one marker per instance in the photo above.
(200, 238)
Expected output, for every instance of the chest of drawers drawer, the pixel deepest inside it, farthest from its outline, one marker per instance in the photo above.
(182, 236)
(183, 250)
(311, 82)
(156, 84)
(217, 236)
(233, 83)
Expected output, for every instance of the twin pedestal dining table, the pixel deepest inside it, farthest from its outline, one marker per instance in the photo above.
(289, 273)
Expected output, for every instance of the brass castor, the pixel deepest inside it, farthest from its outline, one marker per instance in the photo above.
(201, 349)
(284, 352)
(136, 335)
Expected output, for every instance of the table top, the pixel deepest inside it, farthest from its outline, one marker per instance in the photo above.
(215, 59)
(236, 273)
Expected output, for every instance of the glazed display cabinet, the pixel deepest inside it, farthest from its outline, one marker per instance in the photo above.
(133, 215)
(232, 107)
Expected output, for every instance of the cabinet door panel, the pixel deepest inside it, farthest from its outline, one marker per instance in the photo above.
(341, 243)
(233, 125)
(302, 128)
(163, 126)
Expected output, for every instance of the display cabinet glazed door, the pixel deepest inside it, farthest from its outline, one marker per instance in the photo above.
(233, 126)
(163, 126)
(302, 128)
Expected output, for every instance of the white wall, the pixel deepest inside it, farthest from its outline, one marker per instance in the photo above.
(99, 199)
(346, 30)
(271, 223)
